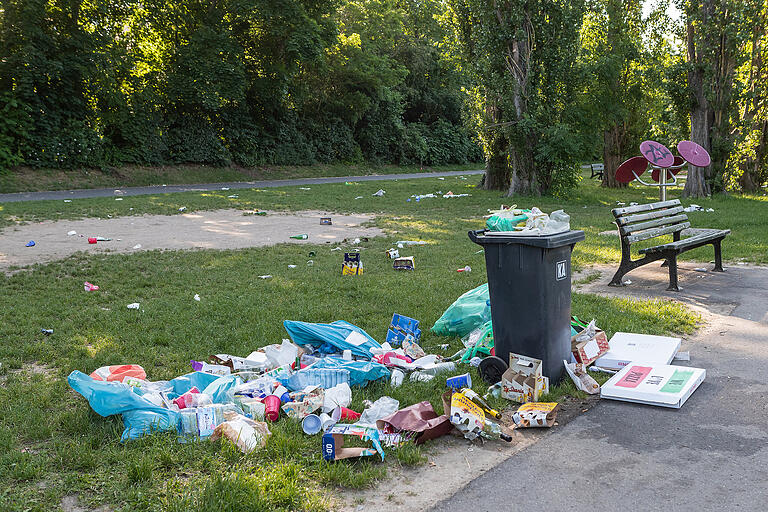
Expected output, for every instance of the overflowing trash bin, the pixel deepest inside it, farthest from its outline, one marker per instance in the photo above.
(529, 282)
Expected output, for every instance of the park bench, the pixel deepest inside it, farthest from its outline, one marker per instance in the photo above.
(647, 221)
(597, 170)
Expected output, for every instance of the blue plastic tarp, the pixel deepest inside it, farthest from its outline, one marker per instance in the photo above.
(340, 334)
(360, 372)
(140, 416)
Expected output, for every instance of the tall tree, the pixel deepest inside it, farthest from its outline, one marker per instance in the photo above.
(522, 54)
(716, 35)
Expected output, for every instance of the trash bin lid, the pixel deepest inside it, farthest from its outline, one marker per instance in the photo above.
(542, 241)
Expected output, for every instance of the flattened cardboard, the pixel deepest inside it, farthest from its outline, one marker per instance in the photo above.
(536, 414)
(663, 385)
(523, 381)
(333, 442)
(628, 348)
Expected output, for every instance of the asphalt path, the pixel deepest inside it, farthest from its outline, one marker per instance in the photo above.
(206, 187)
(712, 454)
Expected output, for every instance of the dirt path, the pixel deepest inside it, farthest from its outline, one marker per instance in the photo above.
(220, 229)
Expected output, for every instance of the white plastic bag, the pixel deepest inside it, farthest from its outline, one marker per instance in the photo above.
(283, 354)
(337, 396)
(381, 408)
(558, 222)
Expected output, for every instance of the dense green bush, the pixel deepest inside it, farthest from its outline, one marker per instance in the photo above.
(249, 82)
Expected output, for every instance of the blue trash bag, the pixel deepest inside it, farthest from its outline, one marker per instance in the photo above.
(360, 372)
(340, 334)
(140, 416)
(469, 312)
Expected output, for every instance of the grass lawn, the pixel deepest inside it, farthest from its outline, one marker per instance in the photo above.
(52, 444)
(31, 180)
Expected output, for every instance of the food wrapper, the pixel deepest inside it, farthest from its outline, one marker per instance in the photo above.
(304, 403)
(247, 434)
(536, 414)
(583, 381)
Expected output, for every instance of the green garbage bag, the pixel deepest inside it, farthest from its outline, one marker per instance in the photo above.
(504, 221)
(470, 311)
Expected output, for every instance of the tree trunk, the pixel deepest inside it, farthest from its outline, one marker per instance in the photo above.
(696, 184)
(497, 162)
(524, 176)
(613, 144)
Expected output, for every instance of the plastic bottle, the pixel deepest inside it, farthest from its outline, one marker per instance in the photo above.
(397, 378)
(440, 368)
(421, 377)
(199, 400)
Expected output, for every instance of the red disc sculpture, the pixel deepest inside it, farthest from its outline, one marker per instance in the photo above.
(657, 153)
(631, 169)
(693, 153)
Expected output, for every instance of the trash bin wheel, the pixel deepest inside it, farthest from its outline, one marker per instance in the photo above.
(492, 368)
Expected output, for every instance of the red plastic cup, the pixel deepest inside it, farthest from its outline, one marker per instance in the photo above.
(272, 407)
(349, 414)
(92, 240)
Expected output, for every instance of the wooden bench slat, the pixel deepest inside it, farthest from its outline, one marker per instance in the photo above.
(645, 207)
(653, 233)
(685, 242)
(626, 230)
(629, 219)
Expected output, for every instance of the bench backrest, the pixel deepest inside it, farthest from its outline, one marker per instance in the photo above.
(644, 221)
(598, 167)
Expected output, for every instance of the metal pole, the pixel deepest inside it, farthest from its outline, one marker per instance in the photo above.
(662, 184)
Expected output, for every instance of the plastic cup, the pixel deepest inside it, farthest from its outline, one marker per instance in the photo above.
(348, 414)
(282, 392)
(92, 240)
(272, 407)
(459, 381)
(312, 424)
(326, 421)
(347, 355)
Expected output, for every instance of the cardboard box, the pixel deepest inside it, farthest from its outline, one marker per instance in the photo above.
(662, 385)
(628, 348)
(404, 263)
(333, 442)
(536, 414)
(586, 352)
(400, 328)
(353, 265)
(523, 381)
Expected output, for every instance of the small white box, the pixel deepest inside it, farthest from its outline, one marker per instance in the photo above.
(638, 348)
(662, 385)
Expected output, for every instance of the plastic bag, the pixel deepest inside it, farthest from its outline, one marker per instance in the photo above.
(379, 409)
(281, 355)
(337, 396)
(506, 220)
(246, 433)
(559, 222)
(468, 312)
(340, 335)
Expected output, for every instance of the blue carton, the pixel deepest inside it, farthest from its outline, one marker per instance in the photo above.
(402, 327)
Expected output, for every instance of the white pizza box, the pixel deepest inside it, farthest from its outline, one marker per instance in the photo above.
(663, 385)
(628, 348)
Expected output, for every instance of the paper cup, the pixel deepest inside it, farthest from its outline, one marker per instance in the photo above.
(459, 381)
(312, 424)
(327, 421)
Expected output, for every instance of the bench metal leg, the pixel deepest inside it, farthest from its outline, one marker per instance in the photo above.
(718, 257)
(616, 281)
(672, 263)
